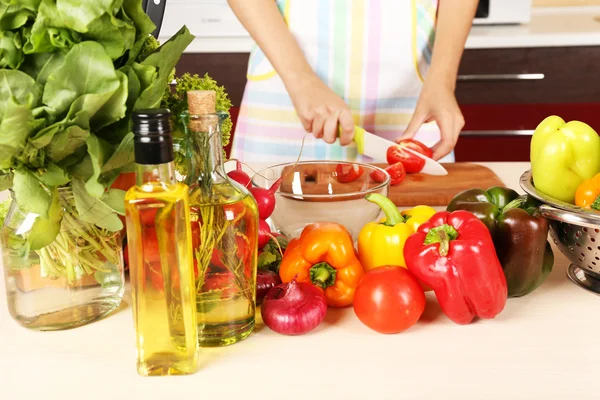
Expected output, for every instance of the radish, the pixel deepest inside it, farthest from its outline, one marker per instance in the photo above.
(265, 199)
(239, 175)
(264, 233)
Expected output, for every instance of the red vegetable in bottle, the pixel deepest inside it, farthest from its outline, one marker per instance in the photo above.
(265, 281)
(239, 175)
(265, 199)
(294, 308)
(264, 233)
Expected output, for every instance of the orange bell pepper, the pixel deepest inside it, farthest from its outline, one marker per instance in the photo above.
(588, 192)
(324, 256)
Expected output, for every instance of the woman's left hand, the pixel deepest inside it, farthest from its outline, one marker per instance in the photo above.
(437, 102)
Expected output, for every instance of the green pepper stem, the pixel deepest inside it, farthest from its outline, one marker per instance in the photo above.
(596, 204)
(392, 214)
(516, 203)
(322, 275)
(442, 235)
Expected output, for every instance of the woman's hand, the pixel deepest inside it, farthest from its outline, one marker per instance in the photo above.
(321, 110)
(437, 102)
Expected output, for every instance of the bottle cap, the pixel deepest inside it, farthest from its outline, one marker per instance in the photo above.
(153, 143)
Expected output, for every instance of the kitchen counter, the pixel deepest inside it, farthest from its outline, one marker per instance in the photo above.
(549, 27)
(540, 347)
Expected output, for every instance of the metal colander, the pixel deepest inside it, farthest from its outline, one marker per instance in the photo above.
(576, 233)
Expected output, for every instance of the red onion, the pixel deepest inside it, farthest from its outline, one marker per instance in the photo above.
(265, 281)
(294, 308)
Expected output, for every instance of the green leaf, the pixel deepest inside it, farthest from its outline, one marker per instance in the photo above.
(164, 59)
(82, 169)
(44, 230)
(115, 35)
(67, 142)
(15, 15)
(50, 31)
(265, 259)
(40, 65)
(143, 24)
(54, 176)
(15, 127)
(93, 210)
(6, 181)
(78, 14)
(20, 87)
(99, 151)
(115, 108)
(30, 194)
(85, 81)
(11, 50)
(115, 199)
(123, 155)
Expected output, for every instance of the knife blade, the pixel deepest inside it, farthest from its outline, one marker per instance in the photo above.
(376, 147)
(155, 9)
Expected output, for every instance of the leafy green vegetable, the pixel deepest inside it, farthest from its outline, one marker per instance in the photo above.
(270, 256)
(4, 206)
(71, 74)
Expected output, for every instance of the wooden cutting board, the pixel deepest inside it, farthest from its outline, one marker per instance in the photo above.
(439, 190)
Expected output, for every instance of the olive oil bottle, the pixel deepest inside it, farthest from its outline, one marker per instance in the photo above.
(160, 253)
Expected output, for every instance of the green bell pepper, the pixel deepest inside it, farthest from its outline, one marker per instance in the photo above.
(562, 156)
(519, 232)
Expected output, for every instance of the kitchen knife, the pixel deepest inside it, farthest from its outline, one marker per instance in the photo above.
(155, 9)
(376, 147)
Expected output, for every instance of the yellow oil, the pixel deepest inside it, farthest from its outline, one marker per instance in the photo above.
(226, 285)
(162, 279)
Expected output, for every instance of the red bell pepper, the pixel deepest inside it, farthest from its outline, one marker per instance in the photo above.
(453, 254)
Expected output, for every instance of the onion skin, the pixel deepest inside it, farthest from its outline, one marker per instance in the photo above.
(265, 281)
(294, 308)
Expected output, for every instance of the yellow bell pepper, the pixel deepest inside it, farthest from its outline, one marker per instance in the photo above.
(417, 215)
(382, 243)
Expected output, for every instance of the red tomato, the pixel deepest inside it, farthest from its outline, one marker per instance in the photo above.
(412, 163)
(377, 176)
(348, 172)
(397, 173)
(389, 299)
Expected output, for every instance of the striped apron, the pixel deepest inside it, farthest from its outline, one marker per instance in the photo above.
(372, 53)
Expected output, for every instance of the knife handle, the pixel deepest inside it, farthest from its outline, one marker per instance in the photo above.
(359, 138)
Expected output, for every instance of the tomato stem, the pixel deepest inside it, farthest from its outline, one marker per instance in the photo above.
(393, 216)
(322, 275)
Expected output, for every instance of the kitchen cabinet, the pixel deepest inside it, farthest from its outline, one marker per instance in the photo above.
(503, 93)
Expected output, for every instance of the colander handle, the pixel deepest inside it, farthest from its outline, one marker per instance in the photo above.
(559, 215)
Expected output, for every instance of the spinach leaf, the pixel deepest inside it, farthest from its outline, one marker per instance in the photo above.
(15, 127)
(99, 151)
(85, 81)
(30, 194)
(122, 156)
(115, 199)
(54, 176)
(5, 181)
(21, 87)
(67, 142)
(164, 59)
(115, 35)
(78, 15)
(44, 230)
(115, 108)
(93, 210)
(11, 50)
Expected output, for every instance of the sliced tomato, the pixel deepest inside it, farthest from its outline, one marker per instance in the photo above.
(412, 163)
(397, 173)
(347, 173)
(377, 176)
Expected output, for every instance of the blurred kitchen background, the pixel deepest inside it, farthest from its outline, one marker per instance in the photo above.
(524, 60)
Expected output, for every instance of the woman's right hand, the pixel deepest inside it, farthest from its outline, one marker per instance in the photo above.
(321, 110)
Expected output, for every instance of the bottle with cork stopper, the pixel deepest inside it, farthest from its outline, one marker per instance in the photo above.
(224, 219)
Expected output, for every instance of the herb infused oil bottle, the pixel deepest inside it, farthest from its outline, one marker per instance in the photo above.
(160, 253)
(225, 231)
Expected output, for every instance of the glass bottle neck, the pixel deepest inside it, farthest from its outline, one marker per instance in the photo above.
(158, 173)
(206, 152)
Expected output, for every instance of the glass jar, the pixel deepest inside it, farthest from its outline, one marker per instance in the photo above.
(224, 219)
(76, 279)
